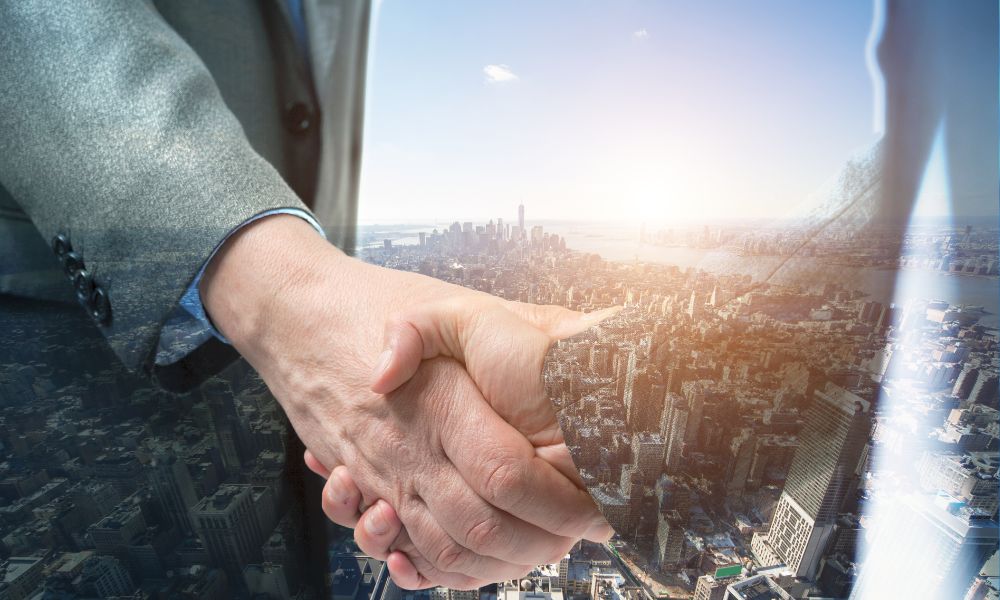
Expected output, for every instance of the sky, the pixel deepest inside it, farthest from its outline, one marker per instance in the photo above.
(638, 111)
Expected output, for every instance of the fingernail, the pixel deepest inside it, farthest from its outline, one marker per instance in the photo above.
(375, 522)
(336, 491)
(382, 363)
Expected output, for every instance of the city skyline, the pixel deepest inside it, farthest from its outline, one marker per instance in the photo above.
(694, 422)
(685, 415)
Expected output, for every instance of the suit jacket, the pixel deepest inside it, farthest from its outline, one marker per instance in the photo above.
(138, 134)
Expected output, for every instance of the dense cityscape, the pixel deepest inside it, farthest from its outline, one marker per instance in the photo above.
(741, 435)
(111, 487)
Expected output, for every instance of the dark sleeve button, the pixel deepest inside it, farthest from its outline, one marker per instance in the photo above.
(100, 305)
(61, 245)
(84, 284)
(298, 117)
(72, 263)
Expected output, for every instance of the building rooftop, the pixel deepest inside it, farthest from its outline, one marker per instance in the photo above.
(759, 587)
(16, 566)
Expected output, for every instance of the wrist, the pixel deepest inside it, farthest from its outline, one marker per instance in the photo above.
(267, 257)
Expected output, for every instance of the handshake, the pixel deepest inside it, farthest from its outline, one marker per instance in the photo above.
(421, 402)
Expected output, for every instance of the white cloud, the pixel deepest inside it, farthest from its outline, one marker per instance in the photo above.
(499, 74)
(640, 35)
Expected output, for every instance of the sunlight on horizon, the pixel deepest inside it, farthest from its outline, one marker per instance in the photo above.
(594, 123)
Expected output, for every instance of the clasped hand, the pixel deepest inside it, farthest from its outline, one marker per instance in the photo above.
(420, 400)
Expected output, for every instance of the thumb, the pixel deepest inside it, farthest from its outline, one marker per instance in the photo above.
(442, 329)
(559, 457)
(435, 329)
(558, 322)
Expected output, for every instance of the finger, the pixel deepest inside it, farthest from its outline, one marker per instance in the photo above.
(447, 555)
(401, 358)
(558, 322)
(341, 498)
(442, 328)
(480, 335)
(484, 529)
(559, 457)
(500, 465)
(412, 570)
(377, 528)
(404, 574)
(600, 533)
(424, 332)
(314, 465)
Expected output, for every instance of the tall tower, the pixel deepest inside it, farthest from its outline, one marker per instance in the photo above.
(520, 219)
(692, 307)
(229, 427)
(172, 486)
(836, 429)
(673, 425)
(648, 452)
(227, 522)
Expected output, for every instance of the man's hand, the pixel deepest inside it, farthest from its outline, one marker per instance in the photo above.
(477, 502)
(503, 347)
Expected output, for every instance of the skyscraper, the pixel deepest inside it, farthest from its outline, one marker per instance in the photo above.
(833, 438)
(669, 541)
(228, 523)
(520, 218)
(104, 577)
(172, 486)
(672, 429)
(648, 451)
(758, 587)
(229, 428)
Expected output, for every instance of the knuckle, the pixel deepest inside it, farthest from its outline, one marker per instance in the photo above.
(486, 533)
(452, 558)
(369, 547)
(504, 483)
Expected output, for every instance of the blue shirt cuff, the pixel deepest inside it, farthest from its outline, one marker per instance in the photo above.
(192, 324)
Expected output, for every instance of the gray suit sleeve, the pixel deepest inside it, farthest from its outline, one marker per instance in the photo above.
(113, 132)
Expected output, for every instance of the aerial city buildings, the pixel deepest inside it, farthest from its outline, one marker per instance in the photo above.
(735, 429)
(748, 437)
(823, 473)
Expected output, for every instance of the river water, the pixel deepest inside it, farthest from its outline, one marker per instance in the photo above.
(882, 285)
